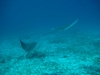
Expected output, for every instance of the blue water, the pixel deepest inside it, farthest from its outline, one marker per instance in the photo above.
(28, 19)
(22, 15)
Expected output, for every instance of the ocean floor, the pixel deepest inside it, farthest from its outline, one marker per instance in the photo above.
(56, 54)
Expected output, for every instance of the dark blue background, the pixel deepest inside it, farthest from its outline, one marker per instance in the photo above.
(18, 16)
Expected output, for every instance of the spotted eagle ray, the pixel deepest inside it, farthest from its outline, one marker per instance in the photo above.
(30, 46)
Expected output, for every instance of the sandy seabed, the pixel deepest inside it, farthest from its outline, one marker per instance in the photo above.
(74, 54)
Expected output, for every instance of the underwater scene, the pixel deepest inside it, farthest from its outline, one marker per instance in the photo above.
(49, 37)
